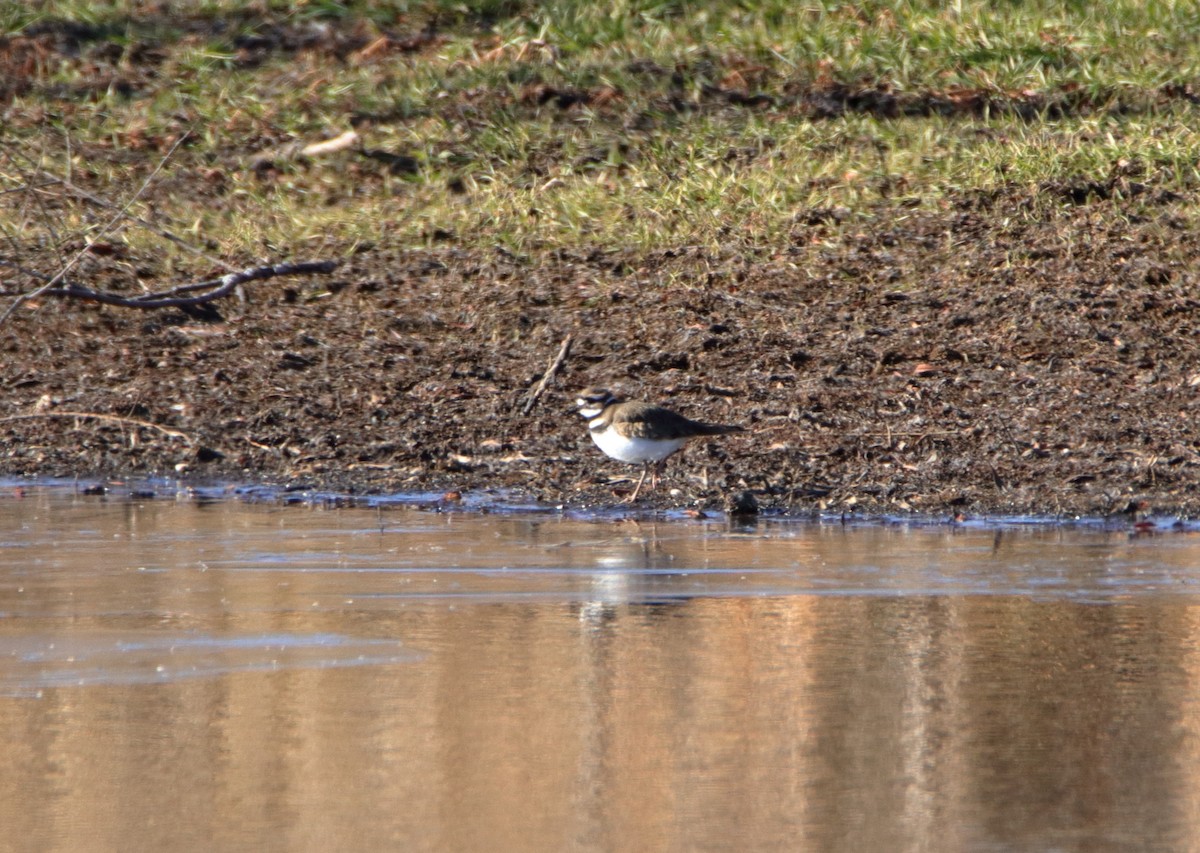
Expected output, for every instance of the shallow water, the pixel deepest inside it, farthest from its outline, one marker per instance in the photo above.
(218, 675)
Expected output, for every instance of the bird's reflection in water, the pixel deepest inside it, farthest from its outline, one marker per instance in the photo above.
(638, 570)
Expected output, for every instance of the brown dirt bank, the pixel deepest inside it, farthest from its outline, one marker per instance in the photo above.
(969, 360)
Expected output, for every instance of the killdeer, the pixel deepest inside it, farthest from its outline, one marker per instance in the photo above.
(639, 432)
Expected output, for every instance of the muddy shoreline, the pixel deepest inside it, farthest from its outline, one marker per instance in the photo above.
(955, 362)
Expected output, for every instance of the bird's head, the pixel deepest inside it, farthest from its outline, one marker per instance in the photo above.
(593, 401)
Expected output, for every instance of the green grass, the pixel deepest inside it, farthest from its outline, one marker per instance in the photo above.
(988, 96)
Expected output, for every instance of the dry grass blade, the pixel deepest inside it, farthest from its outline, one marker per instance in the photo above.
(97, 416)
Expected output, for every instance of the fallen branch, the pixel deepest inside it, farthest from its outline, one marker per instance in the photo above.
(555, 366)
(97, 416)
(174, 297)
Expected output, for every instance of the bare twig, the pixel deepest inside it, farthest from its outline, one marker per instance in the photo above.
(24, 188)
(27, 190)
(96, 416)
(222, 286)
(554, 367)
(149, 226)
(62, 273)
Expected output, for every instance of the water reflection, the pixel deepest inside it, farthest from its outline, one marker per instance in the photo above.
(82, 658)
(421, 682)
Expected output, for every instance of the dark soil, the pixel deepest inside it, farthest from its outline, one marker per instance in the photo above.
(968, 361)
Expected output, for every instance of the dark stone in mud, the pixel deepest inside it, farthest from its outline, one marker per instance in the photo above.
(741, 504)
(207, 454)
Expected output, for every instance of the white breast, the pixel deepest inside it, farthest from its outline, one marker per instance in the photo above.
(633, 449)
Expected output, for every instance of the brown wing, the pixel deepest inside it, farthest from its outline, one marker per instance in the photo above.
(647, 421)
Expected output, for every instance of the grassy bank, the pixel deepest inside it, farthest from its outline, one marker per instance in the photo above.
(543, 125)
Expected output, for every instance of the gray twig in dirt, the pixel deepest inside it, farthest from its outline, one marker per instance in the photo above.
(62, 273)
(172, 298)
(555, 366)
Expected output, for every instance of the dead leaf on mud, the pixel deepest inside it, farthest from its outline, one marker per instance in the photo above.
(376, 48)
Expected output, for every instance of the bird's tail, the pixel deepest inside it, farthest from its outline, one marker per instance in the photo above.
(720, 429)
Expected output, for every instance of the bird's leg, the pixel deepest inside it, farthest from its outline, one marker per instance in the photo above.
(659, 467)
(638, 488)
